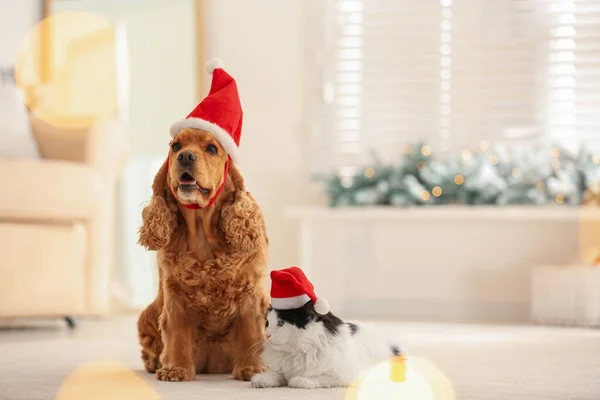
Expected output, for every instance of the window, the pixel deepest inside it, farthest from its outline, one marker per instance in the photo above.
(454, 73)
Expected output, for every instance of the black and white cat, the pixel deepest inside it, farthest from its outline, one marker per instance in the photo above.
(306, 350)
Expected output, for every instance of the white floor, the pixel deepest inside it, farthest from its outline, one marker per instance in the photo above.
(483, 362)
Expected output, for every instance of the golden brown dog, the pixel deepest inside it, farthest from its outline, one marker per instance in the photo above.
(208, 316)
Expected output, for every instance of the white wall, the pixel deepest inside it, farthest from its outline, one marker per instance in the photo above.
(260, 42)
(162, 58)
(162, 68)
(16, 19)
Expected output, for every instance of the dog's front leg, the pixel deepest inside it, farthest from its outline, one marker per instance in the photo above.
(249, 335)
(178, 336)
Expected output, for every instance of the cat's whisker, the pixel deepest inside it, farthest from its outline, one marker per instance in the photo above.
(254, 349)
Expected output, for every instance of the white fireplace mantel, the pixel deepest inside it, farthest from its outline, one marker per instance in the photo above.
(465, 213)
(444, 262)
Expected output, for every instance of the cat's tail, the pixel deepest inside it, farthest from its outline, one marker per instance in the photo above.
(395, 343)
(396, 350)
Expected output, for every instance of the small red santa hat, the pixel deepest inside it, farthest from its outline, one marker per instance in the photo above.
(220, 113)
(290, 289)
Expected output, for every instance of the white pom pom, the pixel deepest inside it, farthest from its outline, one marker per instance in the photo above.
(214, 64)
(322, 306)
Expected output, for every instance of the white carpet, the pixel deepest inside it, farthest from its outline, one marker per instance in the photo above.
(483, 362)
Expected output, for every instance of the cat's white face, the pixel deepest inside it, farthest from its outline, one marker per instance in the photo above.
(279, 332)
(299, 328)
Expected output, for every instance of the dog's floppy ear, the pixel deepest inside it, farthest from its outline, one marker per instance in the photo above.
(159, 218)
(241, 220)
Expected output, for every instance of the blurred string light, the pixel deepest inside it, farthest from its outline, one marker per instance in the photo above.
(499, 176)
(466, 155)
(540, 186)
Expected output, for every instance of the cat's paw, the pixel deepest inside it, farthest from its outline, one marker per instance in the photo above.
(265, 380)
(301, 382)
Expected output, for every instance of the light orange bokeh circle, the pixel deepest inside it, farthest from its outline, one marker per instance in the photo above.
(67, 68)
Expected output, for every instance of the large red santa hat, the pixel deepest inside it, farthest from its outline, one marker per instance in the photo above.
(220, 113)
(290, 289)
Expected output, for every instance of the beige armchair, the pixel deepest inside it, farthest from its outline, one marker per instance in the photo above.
(57, 218)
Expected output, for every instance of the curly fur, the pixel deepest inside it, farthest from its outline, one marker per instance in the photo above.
(208, 316)
(159, 218)
(241, 224)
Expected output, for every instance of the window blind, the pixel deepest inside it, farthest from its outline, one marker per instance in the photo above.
(453, 73)
(572, 98)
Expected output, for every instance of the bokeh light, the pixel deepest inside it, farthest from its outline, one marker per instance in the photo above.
(67, 66)
(410, 378)
(541, 186)
(589, 227)
(105, 379)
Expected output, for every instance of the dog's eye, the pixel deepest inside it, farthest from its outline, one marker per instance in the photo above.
(211, 148)
(280, 323)
(176, 146)
(266, 323)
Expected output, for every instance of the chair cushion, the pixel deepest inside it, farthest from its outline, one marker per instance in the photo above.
(48, 190)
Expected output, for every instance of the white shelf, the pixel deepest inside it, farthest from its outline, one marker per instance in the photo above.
(466, 213)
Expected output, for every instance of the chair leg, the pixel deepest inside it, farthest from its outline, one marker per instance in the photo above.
(71, 322)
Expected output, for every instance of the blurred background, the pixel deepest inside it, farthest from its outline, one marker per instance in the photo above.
(419, 159)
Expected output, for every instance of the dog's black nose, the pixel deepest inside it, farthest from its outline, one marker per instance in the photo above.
(186, 157)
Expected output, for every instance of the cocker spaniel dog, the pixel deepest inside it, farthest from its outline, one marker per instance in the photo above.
(212, 246)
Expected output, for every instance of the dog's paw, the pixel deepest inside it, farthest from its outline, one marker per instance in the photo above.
(246, 373)
(301, 382)
(151, 364)
(175, 374)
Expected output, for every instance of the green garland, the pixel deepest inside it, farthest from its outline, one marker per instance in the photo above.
(495, 175)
